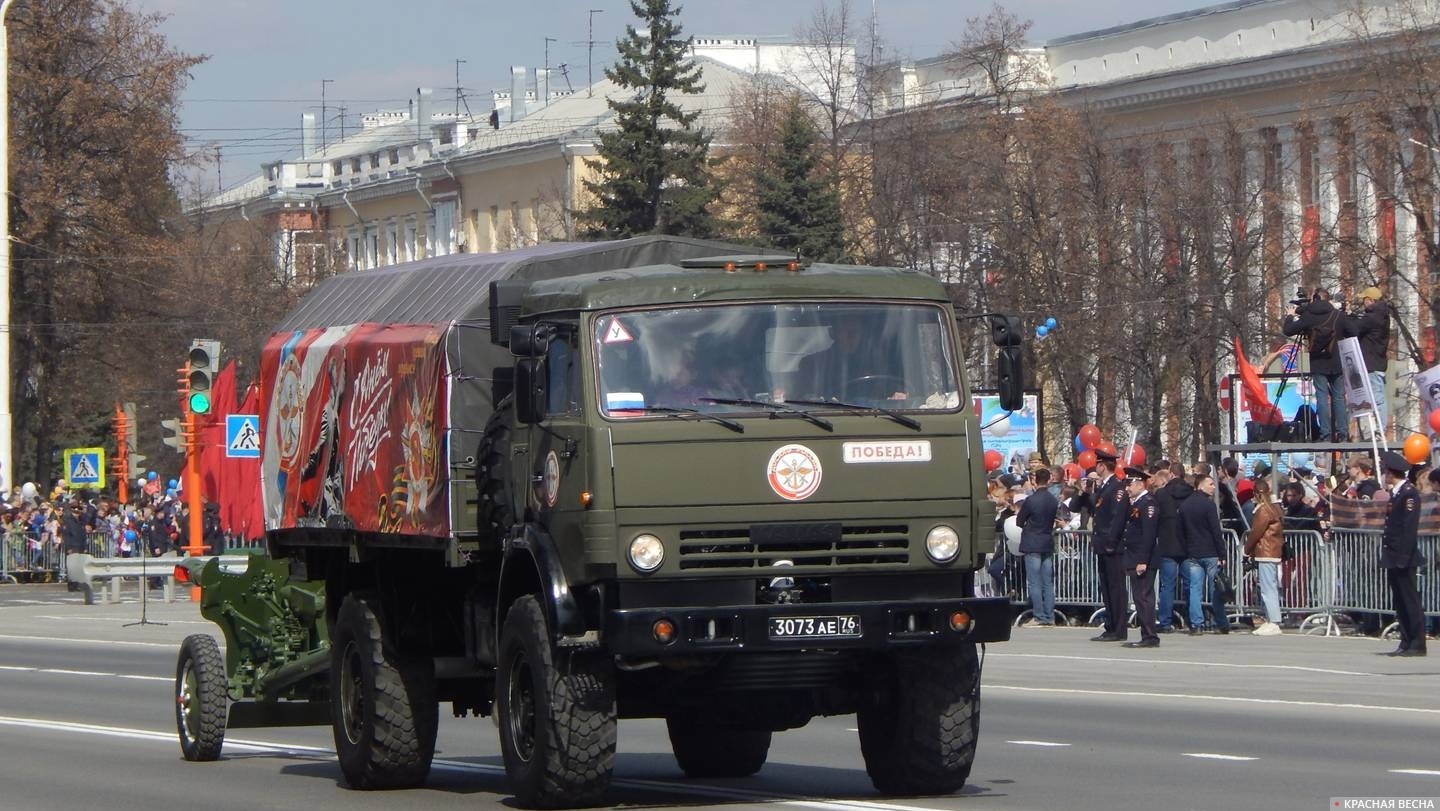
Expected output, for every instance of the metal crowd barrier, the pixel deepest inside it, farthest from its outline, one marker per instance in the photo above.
(23, 557)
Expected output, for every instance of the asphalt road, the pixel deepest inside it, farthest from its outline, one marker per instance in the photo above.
(1199, 723)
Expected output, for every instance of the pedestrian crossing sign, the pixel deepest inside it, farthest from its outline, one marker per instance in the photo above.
(242, 436)
(85, 467)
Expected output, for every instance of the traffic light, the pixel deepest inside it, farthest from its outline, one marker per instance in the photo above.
(204, 367)
(175, 430)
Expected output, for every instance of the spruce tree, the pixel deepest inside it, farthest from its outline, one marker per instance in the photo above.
(654, 167)
(798, 208)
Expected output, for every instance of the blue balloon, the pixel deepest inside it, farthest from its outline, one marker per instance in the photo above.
(173, 484)
(1041, 331)
(1079, 446)
(152, 476)
(1051, 323)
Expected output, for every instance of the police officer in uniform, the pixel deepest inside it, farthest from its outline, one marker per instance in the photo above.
(1112, 505)
(1140, 557)
(1400, 554)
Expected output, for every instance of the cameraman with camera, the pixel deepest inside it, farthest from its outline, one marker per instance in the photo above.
(1372, 327)
(1317, 320)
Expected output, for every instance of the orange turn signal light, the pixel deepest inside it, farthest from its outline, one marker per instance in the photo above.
(663, 631)
(182, 574)
(729, 267)
(959, 621)
(586, 497)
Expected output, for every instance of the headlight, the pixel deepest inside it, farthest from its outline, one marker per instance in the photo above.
(942, 544)
(646, 553)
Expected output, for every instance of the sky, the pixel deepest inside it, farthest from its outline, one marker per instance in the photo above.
(267, 59)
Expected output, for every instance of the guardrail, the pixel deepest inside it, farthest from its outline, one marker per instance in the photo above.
(87, 570)
(1325, 579)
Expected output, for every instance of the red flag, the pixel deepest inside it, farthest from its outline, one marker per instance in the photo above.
(1261, 409)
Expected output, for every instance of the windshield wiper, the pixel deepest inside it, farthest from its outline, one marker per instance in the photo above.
(777, 410)
(908, 422)
(683, 413)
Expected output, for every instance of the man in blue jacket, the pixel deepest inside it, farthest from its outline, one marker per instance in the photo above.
(1037, 544)
(1204, 556)
(1140, 557)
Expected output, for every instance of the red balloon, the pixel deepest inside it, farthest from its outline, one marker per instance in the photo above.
(1090, 436)
(1119, 472)
(993, 459)
(1108, 447)
(1073, 471)
(1417, 448)
(1137, 455)
(1086, 459)
(1435, 420)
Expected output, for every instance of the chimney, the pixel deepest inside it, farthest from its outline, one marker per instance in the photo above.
(307, 134)
(422, 112)
(517, 93)
(542, 87)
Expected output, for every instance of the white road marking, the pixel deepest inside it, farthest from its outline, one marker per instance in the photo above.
(171, 645)
(1037, 743)
(100, 674)
(88, 618)
(1422, 772)
(1213, 756)
(1181, 662)
(1193, 697)
(457, 766)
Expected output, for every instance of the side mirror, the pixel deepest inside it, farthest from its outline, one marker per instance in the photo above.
(530, 340)
(530, 393)
(1010, 378)
(1005, 330)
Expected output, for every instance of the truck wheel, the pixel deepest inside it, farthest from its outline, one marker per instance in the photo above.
(556, 711)
(201, 700)
(714, 751)
(920, 721)
(492, 477)
(383, 708)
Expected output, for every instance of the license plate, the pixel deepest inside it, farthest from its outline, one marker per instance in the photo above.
(845, 625)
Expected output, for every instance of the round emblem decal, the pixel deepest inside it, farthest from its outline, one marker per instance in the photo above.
(794, 472)
(552, 479)
(289, 405)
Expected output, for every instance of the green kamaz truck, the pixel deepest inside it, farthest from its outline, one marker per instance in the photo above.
(655, 478)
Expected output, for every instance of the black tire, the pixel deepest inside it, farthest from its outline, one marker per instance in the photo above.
(383, 709)
(202, 702)
(556, 711)
(716, 751)
(494, 513)
(920, 721)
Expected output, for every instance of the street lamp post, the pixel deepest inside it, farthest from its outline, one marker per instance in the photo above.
(7, 460)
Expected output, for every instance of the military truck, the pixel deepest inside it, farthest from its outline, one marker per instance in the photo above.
(655, 478)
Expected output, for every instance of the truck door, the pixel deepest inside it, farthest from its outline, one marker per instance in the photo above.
(556, 475)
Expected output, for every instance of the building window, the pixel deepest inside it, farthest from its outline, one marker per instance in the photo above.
(491, 226)
(445, 215)
(374, 160)
(392, 243)
(336, 167)
(412, 249)
(355, 165)
(394, 157)
(353, 247)
(372, 247)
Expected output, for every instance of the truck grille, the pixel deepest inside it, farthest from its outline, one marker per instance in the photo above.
(806, 546)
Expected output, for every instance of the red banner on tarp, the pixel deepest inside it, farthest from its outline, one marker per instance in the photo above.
(353, 423)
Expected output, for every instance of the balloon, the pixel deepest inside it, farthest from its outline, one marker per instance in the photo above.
(1108, 447)
(29, 490)
(152, 475)
(1012, 535)
(1119, 472)
(173, 484)
(140, 482)
(1051, 323)
(1000, 427)
(1073, 471)
(1302, 459)
(1086, 459)
(1041, 331)
(1417, 448)
(1137, 455)
(1090, 435)
(1079, 446)
(1435, 420)
(993, 458)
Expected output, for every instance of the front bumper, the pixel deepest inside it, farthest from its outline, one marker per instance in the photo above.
(883, 625)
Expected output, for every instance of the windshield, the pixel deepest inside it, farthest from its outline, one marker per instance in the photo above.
(873, 354)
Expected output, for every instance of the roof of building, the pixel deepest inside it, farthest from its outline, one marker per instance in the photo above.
(1150, 22)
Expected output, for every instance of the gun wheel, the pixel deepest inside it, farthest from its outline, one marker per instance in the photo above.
(201, 701)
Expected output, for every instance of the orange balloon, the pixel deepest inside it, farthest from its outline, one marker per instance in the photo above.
(1108, 447)
(1435, 420)
(1417, 448)
(1089, 435)
(1086, 459)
